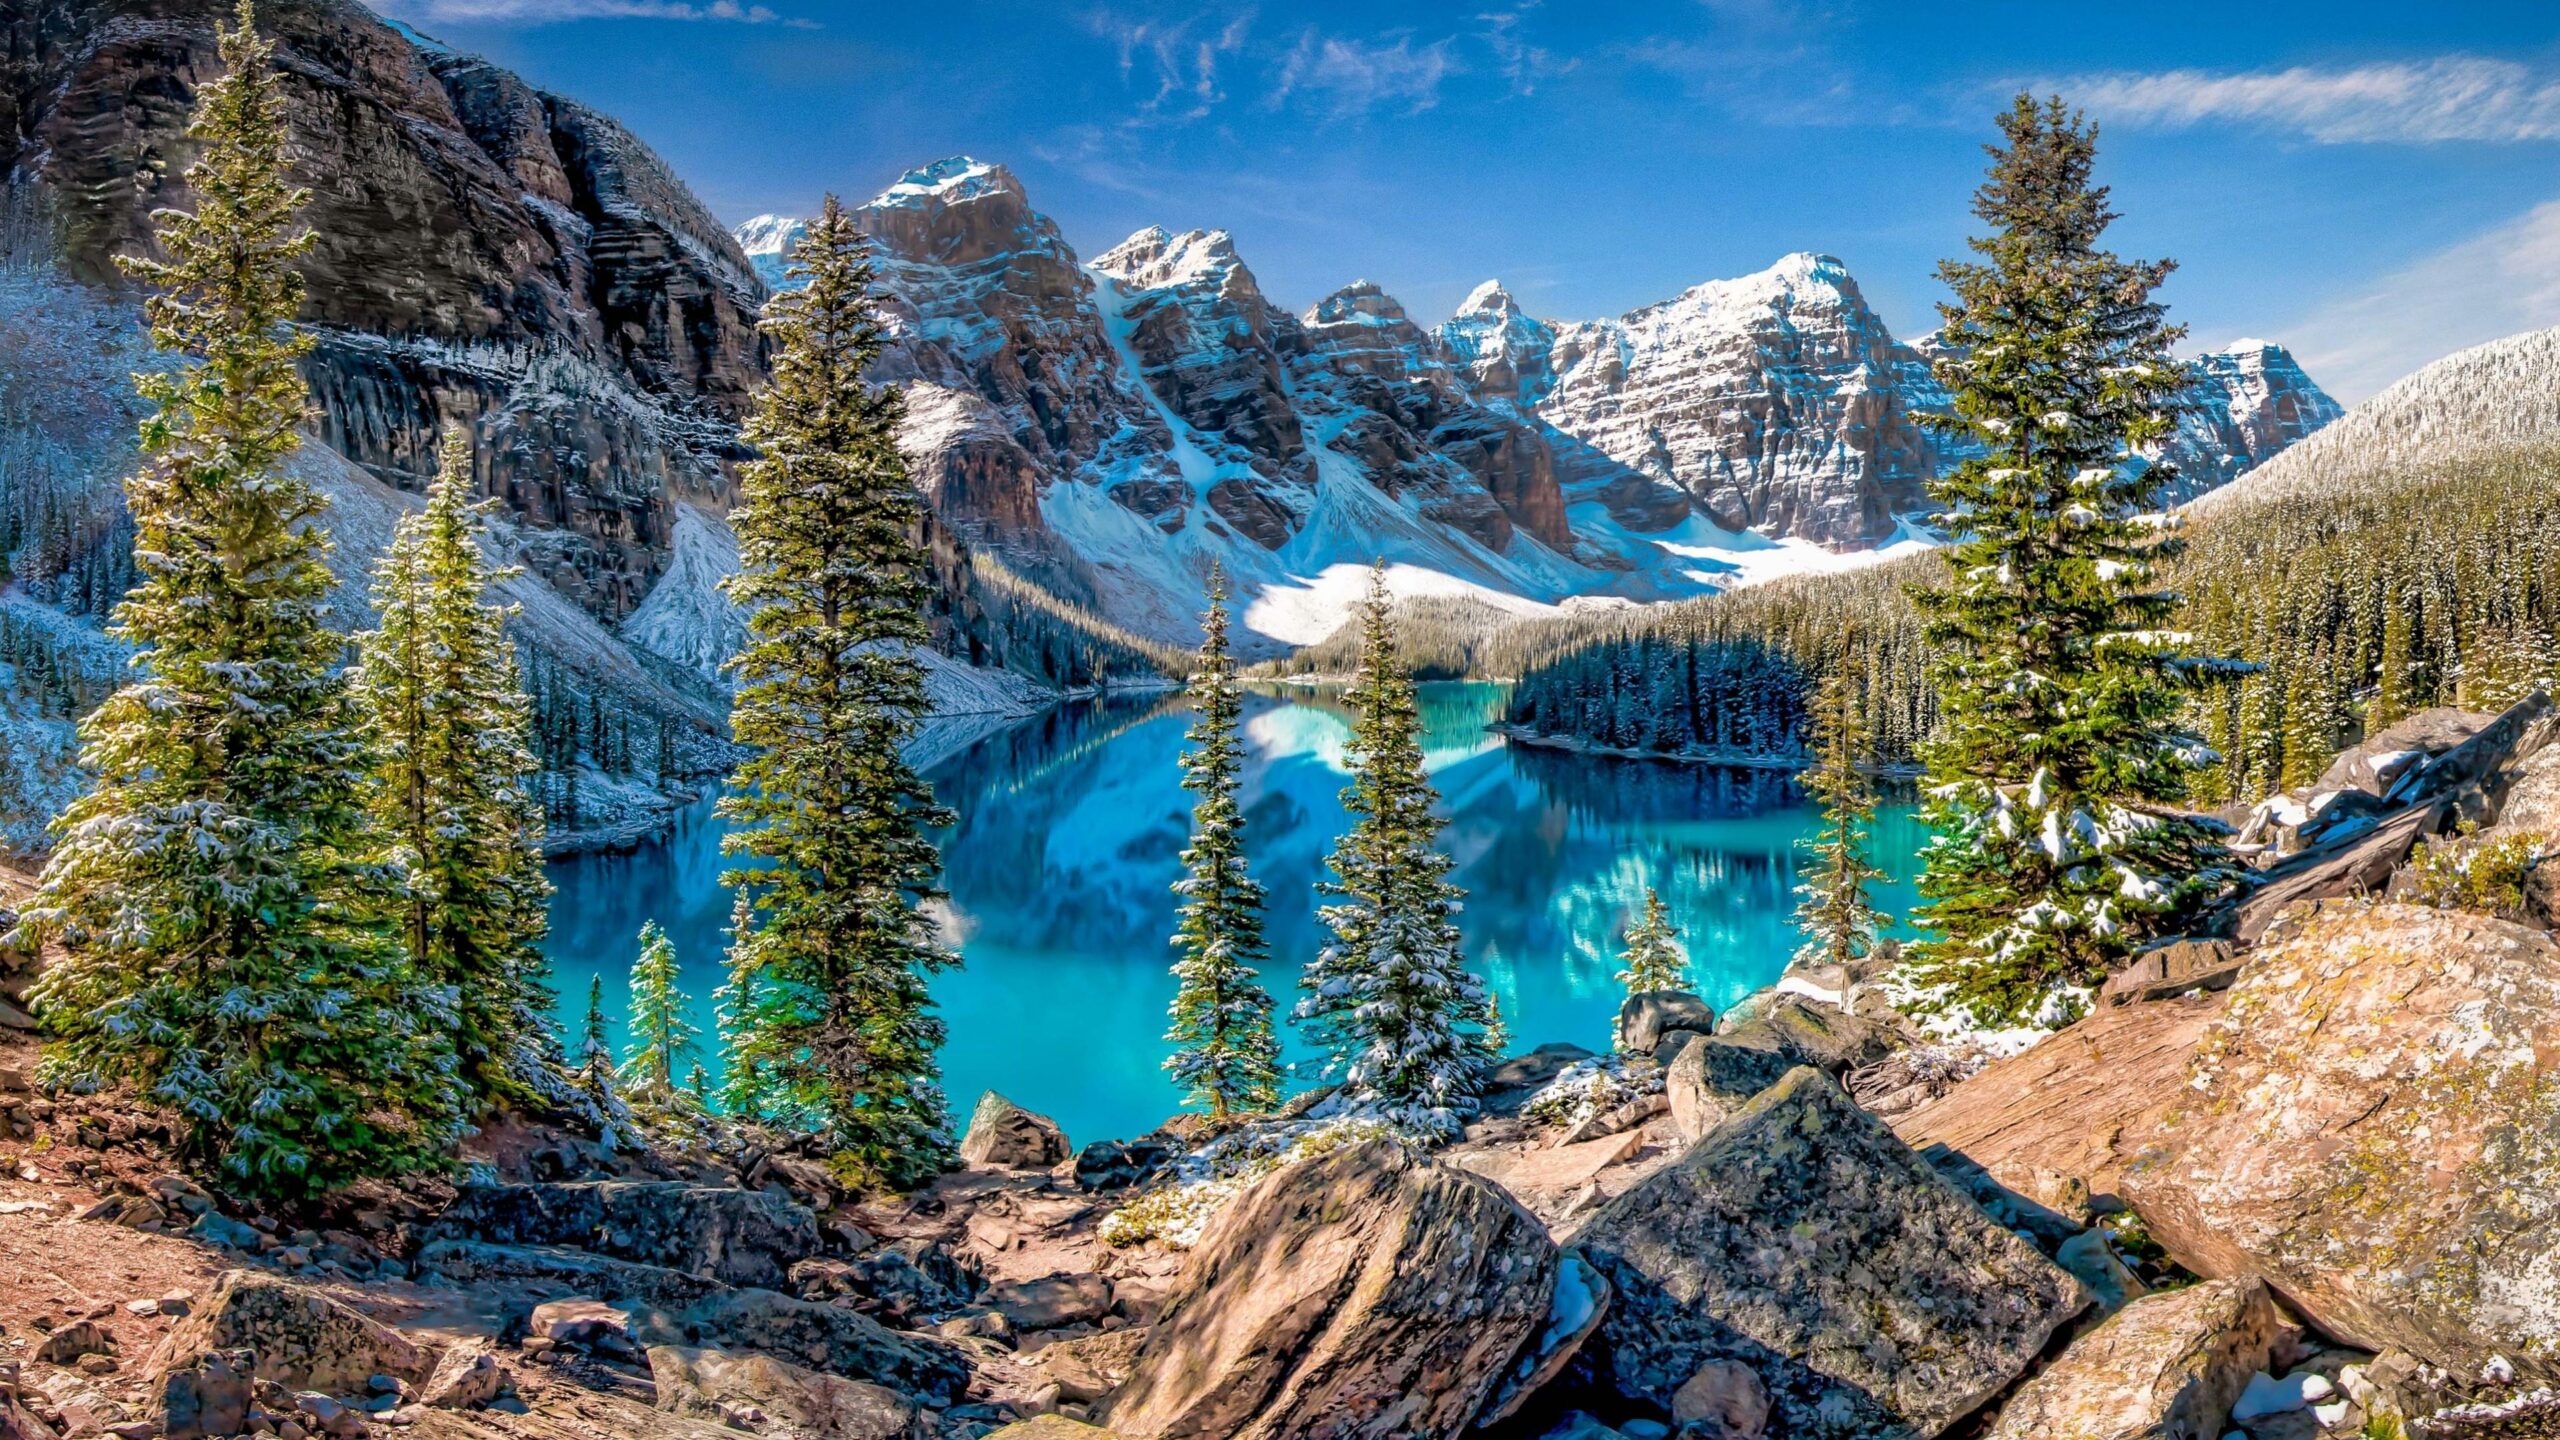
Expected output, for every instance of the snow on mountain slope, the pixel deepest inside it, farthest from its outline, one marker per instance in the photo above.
(2490, 397)
(685, 618)
(1113, 429)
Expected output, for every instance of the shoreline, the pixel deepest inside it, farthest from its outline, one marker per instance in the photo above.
(1731, 760)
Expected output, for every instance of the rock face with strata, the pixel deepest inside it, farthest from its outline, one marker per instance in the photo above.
(1365, 1293)
(735, 1236)
(1801, 1241)
(486, 255)
(2372, 1126)
(2166, 1367)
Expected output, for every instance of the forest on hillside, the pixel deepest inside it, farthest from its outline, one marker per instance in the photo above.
(2380, 592)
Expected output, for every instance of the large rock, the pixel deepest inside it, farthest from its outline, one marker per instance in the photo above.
(2069, 1110)
(2373, 1127)
(735, 1236)
(1712, 1078)
(300, 1338)
(765, 1396)
(1360, 1295)
(830, 1338)
(1646, 1017)
(2166, 1367)
(1813, 1034)
(1003, 1133)
(1803, 1242)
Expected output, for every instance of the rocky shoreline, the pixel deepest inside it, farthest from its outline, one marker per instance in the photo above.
(2280, 1187)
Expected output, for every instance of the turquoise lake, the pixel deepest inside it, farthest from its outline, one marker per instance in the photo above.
(1071, 824)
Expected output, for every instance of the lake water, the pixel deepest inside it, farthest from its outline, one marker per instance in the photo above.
(1070, 829)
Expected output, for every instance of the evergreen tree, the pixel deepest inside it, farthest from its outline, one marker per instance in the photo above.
(452, 786)
(1391, 997)
(833, 581)
(2058, 754)
(661, 1039)
(1225, 1053)
(1838, 920)
(1653, 959)
(228, 946)
(744, 1091)
(595, 1070)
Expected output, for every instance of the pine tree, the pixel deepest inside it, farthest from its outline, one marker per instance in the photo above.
(595, 1069)
(1653, 959)
(2058, 754)
(661, 1038)
(228, 946)
(1391, 997)
(452, 787)
(744, 1091)
(1225, 1052)
(833, 581)
(1834, 912)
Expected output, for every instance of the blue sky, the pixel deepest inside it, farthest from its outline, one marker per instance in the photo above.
(2370, 183)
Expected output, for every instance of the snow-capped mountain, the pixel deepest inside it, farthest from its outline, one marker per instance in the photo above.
(1115, 426)
(2491, 397)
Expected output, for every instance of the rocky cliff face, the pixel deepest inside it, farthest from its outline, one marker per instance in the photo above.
(488, 255)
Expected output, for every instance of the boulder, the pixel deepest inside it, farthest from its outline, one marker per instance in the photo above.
(1055, 1427)
(66, 1345)
(299, 1337)
(1530, 1071)
(2067, 1111)
(1715, 1077)
(586, 1322)
(2382, 760)
(1051, 1301)
(1816, 1035)
(2166, 1367)
(765, 1396)
(1802, 1241)
(1360, 1295)
(467, 1376)
(2357, 864)
(207, 1398)
(2373, 1128)
(1089, 1367)
(1003, 1133)
(1649, 1015)
(1573, 1317)
(717, 1232)
(1120, 1164)
(831, 1338)
(907, 1278)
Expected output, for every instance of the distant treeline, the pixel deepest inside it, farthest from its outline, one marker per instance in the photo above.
(2380, 593)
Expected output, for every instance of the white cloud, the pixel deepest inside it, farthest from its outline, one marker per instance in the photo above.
(1178, 62)
(2500, 282)
(1354, 77)
(1515, 59)
(2454, 97)
(551, 12)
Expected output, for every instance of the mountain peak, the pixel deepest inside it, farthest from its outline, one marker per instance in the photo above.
(1155, 257)
(949, 180)
(1360, 302)
(1489, 298)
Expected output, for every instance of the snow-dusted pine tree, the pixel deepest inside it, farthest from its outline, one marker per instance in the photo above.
(1391, 998)
(663, 1042)
(833, 581)
(2058, 756)
(1832, 908)
(744, 1091)
(228, 938)
(1653, 959)
(452, 787)
(1225, 1054)
(595, 1076)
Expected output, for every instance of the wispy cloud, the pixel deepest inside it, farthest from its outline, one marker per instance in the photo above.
(1177, 62)
(551, 12)
(2500, 282)
(1350, 77)
(2453, 97)
(1520, 63)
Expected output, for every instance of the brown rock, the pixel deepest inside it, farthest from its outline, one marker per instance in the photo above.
(770, 1397)
(2070, 1108)
(1089, 1367)
(1051, 1301)
(69, 1344)
(2373, 1128)
(467, 1376)
(1055, 1427)
(1801, 1240)
(1725, 1399)
(2172, 967)
(1714, 1077)
(1366, 1293)
(2166, 1367)
(300, 1338)
(1003, 1133)
(580, 1322)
